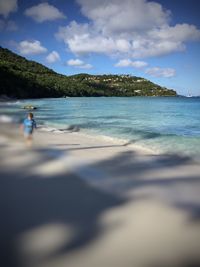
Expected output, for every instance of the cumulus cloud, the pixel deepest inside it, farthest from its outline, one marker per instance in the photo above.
(116, 16)
(53, 57)
(78, 64)
(44, 12)
(31, 47)
(161, 72)
(83, 39)
(129, 63)
(7, 6)
(131, 28)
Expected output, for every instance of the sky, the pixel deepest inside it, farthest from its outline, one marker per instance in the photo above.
(158, 40)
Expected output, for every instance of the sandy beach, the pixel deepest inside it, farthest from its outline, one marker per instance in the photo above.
(74, 200)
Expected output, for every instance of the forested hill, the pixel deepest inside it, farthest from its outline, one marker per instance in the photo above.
(22, 78)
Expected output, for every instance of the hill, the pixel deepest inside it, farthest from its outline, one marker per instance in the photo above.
(22, 78)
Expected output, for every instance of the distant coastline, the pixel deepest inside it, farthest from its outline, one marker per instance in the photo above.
(24, 79)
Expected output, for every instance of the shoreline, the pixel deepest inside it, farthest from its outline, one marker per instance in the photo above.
(81, 201)
(153, 138)
(157, 147)
(90, 133)
(98, 137)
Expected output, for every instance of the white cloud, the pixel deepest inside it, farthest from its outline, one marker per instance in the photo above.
(31, 47)
(53, 57)
(128, 28)
(116, 16)
(83, 39)
(161, 72)
(78, 63)
(129, 63)
(44, 12)
(75, 62)
(7, 6)
(178, 33)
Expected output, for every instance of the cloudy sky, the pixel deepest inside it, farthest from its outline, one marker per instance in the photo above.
(158, 40)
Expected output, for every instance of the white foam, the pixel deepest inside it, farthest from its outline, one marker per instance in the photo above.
(51, 129)
(6, 119)
(47, 129)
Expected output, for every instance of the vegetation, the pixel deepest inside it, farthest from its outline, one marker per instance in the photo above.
(22, 78)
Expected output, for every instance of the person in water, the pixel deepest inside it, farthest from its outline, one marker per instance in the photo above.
(28, 127)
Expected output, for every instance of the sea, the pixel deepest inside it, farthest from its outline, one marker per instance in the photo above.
(160, 124)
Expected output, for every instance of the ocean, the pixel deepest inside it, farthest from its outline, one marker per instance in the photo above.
(161, 124)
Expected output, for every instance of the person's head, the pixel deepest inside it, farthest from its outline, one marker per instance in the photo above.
(30, 116)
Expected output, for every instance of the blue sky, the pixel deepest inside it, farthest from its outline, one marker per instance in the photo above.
(157, 40)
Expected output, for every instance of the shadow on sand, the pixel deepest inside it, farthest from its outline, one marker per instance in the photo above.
(30, 201)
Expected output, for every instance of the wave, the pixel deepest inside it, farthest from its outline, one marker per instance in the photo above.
(6, 119)
(70, 128)
(10, 103)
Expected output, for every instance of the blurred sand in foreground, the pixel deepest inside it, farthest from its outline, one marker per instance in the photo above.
(80, 201)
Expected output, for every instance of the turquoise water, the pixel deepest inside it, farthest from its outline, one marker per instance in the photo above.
(162, 124)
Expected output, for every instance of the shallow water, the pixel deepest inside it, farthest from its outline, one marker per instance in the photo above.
(162, 124)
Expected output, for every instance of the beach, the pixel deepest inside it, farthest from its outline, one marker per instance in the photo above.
(99, 133)
(74, 199)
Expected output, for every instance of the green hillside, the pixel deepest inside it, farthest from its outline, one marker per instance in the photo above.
(22, 78)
